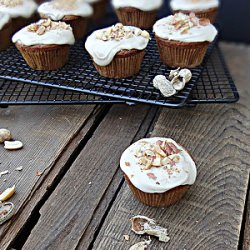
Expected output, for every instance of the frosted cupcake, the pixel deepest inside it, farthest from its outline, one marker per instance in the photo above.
(22, 12)
(141, 13)
(99, 7)
(5, 31)
(183, 39)
(45, 45)
(117, 51)
(76, 13)
(158, 170)
(201, 8)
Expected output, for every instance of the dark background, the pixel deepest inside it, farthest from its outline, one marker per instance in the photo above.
(234, 20)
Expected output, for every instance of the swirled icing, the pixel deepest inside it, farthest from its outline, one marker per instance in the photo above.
(193, 5)
(4, 19)
(184, 174)
(103, 52)
(144, 5)
(26, 9)
(79, 8)
(199, 33)
(58, 36)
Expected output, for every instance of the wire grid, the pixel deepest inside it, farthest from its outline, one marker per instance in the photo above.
(215, 85)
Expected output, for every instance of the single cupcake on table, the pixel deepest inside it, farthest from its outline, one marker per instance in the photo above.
(158, 170)
(22, 12)
(99, 7)
(45, 45)
(76, 13)
(141, 13)
(183, 39)
(117, 51)
(201, 8)
(5, 31)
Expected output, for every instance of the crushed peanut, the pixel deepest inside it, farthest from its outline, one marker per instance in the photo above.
(118, 32)
(159, 154)
(45, 25)
(184, 23)
(11, 3)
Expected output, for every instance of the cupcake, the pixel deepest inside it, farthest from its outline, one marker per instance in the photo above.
(45, 45)
(5, 31)
(117, 51)
(183, 39)
(22, 12)
(99, 7)
(158, 171)
(201, 8)
(141, 13)
(76, 13)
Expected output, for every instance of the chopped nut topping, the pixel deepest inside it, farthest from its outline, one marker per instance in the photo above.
(159, 154)
(118, 32)
(45, 25)
(127, 163)
(11, 3)
(184, 23)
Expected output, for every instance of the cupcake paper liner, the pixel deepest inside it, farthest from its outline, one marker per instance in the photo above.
(99, 9)
(123, 65)
(135, 17)
(158, 199)
(211, 13)
(5, 36)
(45, 57)
(179, 54)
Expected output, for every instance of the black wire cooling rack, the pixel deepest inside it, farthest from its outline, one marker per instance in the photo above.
(214, 86)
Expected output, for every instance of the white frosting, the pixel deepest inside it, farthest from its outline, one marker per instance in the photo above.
(186, 174)
(165, 30)
(56, 36)
(92, 1)
(144, 5)
(4, 19)
(103, 52)
(25, 10)
(80, 8)
(191, 5)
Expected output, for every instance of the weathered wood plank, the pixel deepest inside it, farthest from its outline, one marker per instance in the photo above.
(69, 210)
(210, 215)
(45, 131)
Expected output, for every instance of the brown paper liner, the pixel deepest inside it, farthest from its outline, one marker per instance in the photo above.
(179, 54)
(45, 57)
(99, 9)
(211, 13)
(158, 199)
(135, 17)
(5, 36)
(125, 63)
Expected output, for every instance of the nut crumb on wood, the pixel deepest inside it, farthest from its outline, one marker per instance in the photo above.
(19, 168)
(39, 173)
(126, 237)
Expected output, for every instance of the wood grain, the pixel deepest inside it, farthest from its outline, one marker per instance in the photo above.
(69, 210)
(45, 131)
(246, 243)
(210, 214)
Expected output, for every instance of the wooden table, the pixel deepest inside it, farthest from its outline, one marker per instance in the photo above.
(81, 200)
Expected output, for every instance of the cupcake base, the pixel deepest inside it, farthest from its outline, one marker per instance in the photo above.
(5, 36)
(99, 8)
(158, 199)
(135, 17)
(126, 63)
(211, 13)
(180, 54)
(45, 57)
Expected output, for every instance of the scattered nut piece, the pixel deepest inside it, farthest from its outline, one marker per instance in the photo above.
(7, 193)
(166, 88)
(39, 173)
(126, 237)
(143, 245)
(5, 135)
(13, 145)
(144, 225)
(4, 172)
(19, 168)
